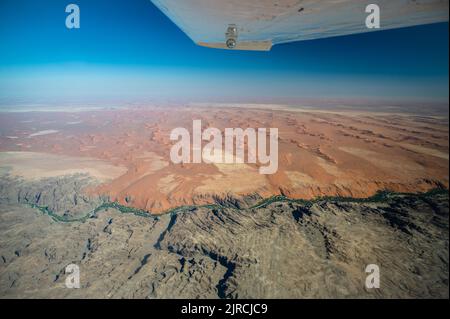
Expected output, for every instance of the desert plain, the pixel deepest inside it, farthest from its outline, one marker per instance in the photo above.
(322, 152)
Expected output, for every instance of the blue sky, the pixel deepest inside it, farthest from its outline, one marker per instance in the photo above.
(130, 50)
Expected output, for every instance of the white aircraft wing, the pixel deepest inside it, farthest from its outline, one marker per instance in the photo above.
(260, 24)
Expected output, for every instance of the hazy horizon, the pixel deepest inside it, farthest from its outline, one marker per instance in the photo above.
(135, 53)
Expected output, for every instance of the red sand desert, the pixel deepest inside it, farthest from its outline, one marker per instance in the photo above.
(321, 152)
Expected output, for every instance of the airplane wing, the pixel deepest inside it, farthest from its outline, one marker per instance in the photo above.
(260, 24)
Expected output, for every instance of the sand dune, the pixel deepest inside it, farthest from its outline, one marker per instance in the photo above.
(321, 152)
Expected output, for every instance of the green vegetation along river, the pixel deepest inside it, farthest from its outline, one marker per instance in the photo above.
(381, 196)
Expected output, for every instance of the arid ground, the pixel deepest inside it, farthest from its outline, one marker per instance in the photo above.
(347, 153)
(97, 189)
